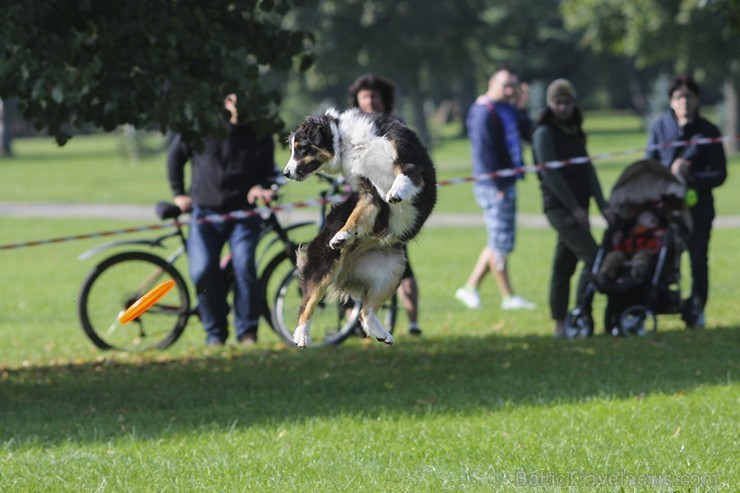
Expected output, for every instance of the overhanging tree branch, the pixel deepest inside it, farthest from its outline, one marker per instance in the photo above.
(150, 63)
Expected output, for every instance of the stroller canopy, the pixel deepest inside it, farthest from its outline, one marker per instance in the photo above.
(645, 182)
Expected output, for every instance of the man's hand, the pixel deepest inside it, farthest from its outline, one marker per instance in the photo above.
(184, 202)
(581, 217)
(680, 167)
(258, 193)
(522, 96)
(610, 215)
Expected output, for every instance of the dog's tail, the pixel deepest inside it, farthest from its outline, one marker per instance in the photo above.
(301, 256)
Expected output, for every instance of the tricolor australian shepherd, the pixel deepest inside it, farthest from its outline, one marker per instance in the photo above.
(359, 253)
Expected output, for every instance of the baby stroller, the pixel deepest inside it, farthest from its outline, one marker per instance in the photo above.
(632, 305)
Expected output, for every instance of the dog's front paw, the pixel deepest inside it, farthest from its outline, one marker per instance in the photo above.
(339, 240)
(301, 337)
(393, 197)
(402, 189)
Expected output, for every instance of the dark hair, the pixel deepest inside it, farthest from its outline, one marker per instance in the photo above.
(371, 82)
(504, 66)
(683, 81)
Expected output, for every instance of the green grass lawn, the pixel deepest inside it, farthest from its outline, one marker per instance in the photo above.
(485, 401)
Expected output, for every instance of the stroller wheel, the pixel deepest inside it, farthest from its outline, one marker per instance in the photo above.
(578, 324)
(634, 321)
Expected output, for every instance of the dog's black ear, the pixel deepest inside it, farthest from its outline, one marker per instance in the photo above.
(327, 135)
(311, 131)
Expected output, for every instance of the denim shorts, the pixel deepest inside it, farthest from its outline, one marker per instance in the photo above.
(500, 215)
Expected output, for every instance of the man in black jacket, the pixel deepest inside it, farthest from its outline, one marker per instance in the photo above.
(701, 167)
(229, 174)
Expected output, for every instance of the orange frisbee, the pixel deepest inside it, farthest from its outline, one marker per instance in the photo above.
(145, 302)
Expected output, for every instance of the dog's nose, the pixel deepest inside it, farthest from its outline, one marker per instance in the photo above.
(286, 174)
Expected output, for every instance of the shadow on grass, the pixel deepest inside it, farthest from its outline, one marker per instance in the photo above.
(459, 375)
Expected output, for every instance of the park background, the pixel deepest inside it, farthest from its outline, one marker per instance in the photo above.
(486, 400)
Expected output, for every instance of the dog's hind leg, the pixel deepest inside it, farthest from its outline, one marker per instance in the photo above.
(372, 326)
(312, 295)
(382, 271)
(316, 264)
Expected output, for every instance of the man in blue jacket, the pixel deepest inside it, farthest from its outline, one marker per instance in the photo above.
(496, 124)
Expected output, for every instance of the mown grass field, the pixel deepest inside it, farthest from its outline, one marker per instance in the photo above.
(485, 401)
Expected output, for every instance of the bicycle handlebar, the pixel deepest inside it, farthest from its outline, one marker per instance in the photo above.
(167, 210)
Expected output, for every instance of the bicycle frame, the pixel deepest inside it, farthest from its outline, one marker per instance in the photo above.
(150, 242)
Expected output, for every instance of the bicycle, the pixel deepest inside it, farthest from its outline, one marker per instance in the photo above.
(119, 280)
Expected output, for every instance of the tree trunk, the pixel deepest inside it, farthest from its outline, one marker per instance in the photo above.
(5, 126)
(729, 93)
(417, 109)
(465, 97)
(636, 88)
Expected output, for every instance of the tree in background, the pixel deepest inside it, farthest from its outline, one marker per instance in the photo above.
(440, 54)
(167, 63)
(696, 36)
(161, 64)
(416, 43)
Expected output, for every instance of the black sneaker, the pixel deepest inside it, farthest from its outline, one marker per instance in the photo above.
(415, 331)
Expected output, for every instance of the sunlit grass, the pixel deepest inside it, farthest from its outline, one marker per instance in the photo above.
(485, 401)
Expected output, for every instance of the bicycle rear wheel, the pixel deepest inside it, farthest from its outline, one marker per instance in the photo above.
(115, 284)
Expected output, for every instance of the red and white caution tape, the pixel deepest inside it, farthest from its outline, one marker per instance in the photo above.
(337, 198)
(584, 159)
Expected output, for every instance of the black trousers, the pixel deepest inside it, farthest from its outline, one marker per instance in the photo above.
(573, 245)
(702, 215)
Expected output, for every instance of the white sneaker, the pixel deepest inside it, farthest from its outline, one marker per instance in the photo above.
(516, 302)
(468, 296)
(700, 322)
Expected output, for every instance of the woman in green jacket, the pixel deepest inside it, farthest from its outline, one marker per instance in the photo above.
(566, 195)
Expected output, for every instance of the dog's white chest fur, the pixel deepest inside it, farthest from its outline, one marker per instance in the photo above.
(367, 155)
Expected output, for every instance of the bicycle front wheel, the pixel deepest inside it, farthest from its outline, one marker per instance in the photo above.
(332, 321)
(115, 284)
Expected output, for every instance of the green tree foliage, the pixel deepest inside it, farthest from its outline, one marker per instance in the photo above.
(417, 43)
(691, 34)
(434, 51)
(148, 63)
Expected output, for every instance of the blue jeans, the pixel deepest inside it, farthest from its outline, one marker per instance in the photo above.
(205, 242)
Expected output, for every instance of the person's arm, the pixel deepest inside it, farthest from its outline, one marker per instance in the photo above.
(177, 156)
(265, 161)
(265, 165)
(708, 168)
(544, 150)
(524, 123)
(595, 187)
(480, 133)
(653, 140)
